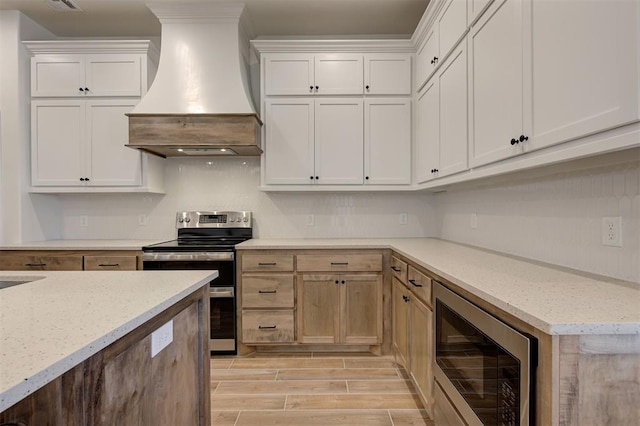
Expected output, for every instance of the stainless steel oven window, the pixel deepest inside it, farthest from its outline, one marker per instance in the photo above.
(483, 365)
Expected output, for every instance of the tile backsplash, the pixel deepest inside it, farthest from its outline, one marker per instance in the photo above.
(232, 184)
(555, 219)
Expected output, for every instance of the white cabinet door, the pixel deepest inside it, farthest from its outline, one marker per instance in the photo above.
(427, 56)
(113, 75)
(57, 143)
(289, 130)
(585, 78)
(496, 82)
(339, 141)
(387, 74)
(289, 74)
(86, 75)
(60, 75)
(453, 113)
(452, 25)
(427, 144)
(338, 74)
(109, 161)
(387, 136)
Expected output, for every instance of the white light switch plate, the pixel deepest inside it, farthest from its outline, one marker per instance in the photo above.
(161, 338)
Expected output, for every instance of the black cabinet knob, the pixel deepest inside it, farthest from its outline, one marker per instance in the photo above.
(81, 89)
(343, 282)
(311, 88)
(366, 87)
(336, 281)
(81, 179)
(86, 179)
(86, 89)
(311, 177)
(317, 178)
(436, 170)
(366, 178)
(317, 87)
(513, 141)
(524, 138)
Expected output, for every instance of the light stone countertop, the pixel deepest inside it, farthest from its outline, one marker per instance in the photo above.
(555, 300)
(50, 325)
(81, 245)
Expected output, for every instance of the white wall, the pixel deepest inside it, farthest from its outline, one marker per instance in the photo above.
(232, 184)
(24, 217)
(555, 219)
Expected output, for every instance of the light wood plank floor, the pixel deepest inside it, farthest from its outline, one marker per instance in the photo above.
(313, 389)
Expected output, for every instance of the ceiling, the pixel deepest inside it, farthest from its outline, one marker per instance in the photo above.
(131, 18)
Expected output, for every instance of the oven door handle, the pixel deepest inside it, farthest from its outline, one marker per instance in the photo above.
(220, 292)
(202, 256)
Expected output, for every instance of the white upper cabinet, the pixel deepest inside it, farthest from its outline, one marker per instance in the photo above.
(496, 44)
(323, 74)
(387, 74)
(441, 136)
(338, 74)
(86, 75)
(81, 143)
(585, 76)
(444, 33)
(289, 145)
(387, 141)
(289, 74)
(339, 141)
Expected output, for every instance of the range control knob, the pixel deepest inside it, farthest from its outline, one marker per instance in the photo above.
(187, 219)
(180, 220)
(246, 219)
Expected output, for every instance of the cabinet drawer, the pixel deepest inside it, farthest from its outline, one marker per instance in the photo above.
(110, 263)
(18, 262)
(340, 262)
(267, 326)
(267, 262)
(267, 291)
(420, 284)
(399, 269)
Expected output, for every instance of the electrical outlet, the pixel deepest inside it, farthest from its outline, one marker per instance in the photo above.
(161, 338)
(474, 220)
(84, 221)
(611, 231)
(311, 221)
(142, 220)
(403, 219)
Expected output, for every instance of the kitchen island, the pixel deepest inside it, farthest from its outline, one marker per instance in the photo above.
(105, 347)
(587, 326)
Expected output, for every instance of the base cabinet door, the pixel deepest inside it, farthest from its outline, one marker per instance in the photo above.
(400, 322)
(362, 312)
(318, 309)
(421, 349)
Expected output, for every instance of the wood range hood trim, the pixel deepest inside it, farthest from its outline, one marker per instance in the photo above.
(175, 135)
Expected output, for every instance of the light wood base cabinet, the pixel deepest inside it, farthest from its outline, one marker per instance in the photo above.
(69, 260)
(340, 309)
(123, 384)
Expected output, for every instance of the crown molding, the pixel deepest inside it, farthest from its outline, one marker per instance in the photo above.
(46, 47)
(327, 46)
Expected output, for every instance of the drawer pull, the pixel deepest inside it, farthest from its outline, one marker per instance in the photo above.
(267, 263)
(267, 291)
(339, 263)
(396, 269)
(266, 327)
(112, 265)
(415, 284)
(35, 264)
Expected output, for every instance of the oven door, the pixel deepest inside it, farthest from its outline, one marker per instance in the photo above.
(221, 290)
(483, 365)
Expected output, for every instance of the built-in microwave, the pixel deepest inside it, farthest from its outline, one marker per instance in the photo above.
(485, 367)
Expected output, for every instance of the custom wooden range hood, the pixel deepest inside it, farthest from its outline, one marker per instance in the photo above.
(200, 102)
(174, 135)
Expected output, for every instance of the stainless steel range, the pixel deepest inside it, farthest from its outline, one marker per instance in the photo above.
(206, 240)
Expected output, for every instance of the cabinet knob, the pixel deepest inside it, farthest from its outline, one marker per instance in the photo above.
(337, 281)
(81, 179)
(317, 87)
(524, 138)
(311, 177)
(317, 177)
(81, 89)
(366, 178)
(86, 179)
(513, 141)
(436, 170)
(366, 87)
(434, 60)
(311, 88)
(343, 282)
(86, 89)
